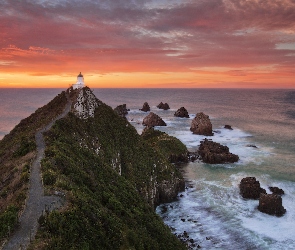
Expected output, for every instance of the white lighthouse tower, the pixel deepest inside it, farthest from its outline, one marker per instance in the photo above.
(80, 82)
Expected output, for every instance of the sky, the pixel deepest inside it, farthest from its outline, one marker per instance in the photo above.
(148, 43)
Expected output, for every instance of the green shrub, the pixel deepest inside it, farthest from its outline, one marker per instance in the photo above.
(8, 220)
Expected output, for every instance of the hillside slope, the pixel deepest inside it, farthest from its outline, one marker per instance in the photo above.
(110, 178)
(17, 152)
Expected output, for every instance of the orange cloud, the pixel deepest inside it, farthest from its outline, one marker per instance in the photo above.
(148, 44)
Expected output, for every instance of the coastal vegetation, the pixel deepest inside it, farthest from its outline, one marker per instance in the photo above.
(109, 179)
(17, 151)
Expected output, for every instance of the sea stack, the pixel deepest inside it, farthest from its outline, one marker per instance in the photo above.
(145, 107)
(201, 125)
(215, 153)
(250, 188)
(164, 106)
(153, 120)
(182, 112)
(271, 204)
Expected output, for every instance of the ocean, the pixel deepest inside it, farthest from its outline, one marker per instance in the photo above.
(210, 210)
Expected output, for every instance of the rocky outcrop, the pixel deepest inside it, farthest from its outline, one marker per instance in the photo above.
(84, 103)
(250, 188)
(201, 125)
(145, 107)
(121, 110)
(182, 112)
(271, 204)
(276, 190)
(215, 153)
(152, 120)
(164, 106)
(167, 190)
(228, 127)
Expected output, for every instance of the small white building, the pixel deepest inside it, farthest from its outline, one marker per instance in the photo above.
(80, 82)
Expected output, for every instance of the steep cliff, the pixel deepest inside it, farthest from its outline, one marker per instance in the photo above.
(110, 180)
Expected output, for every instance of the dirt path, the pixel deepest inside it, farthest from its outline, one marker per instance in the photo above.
(36, 201)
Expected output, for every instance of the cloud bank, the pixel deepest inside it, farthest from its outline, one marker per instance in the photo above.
(242, 41)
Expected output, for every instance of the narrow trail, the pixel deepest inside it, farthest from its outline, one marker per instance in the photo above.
(36, 201)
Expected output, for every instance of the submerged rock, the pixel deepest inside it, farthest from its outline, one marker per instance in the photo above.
(182, 112)
(201, 125)
(164, 106)
(250, 188)
(228, 127)
(271, 204)
(145, 107)
(152, 120)
(215, 153)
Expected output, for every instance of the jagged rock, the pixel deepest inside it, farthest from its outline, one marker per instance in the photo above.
(201, 125)
(168, 190)
(145, 107)
(182, 112)
(215, 153)
(251, 146)
(85, 103)
(228, 127)
(250, 188)
(121, 110)
(276, 190)
(271, 204)
(152, 120)
(164, 106)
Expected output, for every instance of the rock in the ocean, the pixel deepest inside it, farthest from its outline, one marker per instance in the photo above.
(145, 107)
(201, 125)
(250, 188)
(121, 110)
(164, 106)
(276, 190)
(215, 153)
(228, 127)
(152, 120)
(182, 112)
(271, 204)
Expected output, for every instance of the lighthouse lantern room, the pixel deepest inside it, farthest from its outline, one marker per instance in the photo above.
(80, 82)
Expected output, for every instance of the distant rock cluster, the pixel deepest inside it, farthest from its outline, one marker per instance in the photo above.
(164, 106)
(268, 203)
(182, 112)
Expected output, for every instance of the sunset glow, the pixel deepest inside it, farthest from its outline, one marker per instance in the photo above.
(148, 44)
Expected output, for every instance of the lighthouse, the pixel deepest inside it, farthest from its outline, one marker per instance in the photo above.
(80, 82)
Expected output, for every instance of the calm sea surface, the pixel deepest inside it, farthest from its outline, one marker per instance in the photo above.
(211, 210)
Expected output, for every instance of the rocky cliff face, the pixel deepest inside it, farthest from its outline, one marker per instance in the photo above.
(84, 102)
